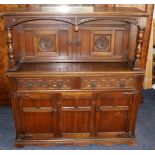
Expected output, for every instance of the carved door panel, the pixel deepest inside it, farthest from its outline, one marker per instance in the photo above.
(43, 40)
(76, 113)
(113, 111)
(102, 42)
(55, 43)
(38, 114)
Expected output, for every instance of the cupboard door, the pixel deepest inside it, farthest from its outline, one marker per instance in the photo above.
(102, 42)
(38, 114)
(76, 113)
(54, 43)
(44, 41)
(113, 111)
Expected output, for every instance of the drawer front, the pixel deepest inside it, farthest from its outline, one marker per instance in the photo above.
(107, 82)
(47, 84)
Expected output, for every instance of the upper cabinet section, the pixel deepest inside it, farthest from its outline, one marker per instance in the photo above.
(76, 34)
(57, 40)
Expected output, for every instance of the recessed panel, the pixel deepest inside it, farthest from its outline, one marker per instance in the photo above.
(46, 43)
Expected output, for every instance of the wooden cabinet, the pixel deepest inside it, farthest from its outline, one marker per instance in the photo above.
(67, 34)
(91, 36)
(76, 78)
(75, 114)
(114, 109)
(43, 41)
(38, 112)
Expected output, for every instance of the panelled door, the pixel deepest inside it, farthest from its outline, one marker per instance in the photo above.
(38, 114)
(72, 114)
(114, 111)
(102, 40)
(76, 114)
(45, 40)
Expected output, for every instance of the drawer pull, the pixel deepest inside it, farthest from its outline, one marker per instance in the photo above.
(78, 42)
(69, 43)
(93, 85)
(59, 84)
(44, 84)
(122, 84)
(30, 85)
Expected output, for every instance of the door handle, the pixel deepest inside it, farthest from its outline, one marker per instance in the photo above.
(78, 42)
(69, 43)
(93, 85)
(59, 84)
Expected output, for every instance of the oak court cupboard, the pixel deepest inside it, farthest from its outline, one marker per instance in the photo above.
(76, 77)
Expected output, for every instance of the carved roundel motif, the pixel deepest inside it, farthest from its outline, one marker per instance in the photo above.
(102, 43)
(45, 43)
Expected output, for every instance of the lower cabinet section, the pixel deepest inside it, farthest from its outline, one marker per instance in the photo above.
(78, 115)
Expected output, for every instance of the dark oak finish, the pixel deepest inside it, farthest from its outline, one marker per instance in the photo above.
(76, 78)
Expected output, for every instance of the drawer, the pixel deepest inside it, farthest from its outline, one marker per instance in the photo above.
(45, 84)
(107, 82)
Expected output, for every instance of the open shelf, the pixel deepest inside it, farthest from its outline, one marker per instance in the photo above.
(74, 67)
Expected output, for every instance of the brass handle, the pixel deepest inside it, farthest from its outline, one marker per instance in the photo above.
(69, 43)
(44, 84)
(78, 42)
(30, 85)
(59, 84)
(93, 85)
(122, 84)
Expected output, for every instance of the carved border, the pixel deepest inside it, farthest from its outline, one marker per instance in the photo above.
(18, 20)
(76, 20)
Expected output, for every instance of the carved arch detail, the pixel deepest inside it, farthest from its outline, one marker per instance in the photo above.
(16, 20)
(75, 21)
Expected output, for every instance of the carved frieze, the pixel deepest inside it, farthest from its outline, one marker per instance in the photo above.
(132, 20)
(73, 20)
(101, 83)
(32, 84)
(17, 20)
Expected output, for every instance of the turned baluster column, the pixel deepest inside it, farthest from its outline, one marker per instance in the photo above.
(10, 49)
(139, 49)
(140, 36)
